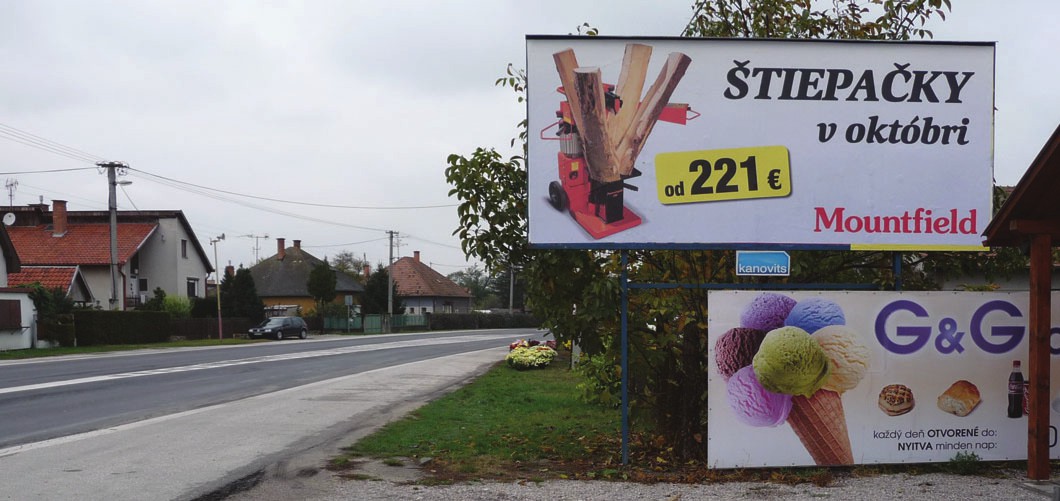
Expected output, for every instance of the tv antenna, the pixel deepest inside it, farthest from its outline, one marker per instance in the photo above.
(11, 185)
(256, 246)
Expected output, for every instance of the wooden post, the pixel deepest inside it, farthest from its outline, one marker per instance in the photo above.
(1038, 420)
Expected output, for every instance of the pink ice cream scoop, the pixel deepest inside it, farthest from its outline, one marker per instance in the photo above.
(813, 313)
(766, 311)
(736, 349)
(754, 405)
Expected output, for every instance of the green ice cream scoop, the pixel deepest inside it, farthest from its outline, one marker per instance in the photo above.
(790, 361)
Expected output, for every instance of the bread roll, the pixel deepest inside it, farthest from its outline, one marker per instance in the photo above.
(960, 398)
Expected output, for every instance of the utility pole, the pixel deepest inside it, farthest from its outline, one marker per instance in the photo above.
(390, 282)
(217, 282)
(113, 170)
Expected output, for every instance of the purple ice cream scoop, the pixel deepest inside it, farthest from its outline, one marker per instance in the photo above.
(813, 313)
(736, 349)
(766, 311)
(754, 405)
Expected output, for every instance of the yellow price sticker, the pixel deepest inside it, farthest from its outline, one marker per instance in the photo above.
(729, 174)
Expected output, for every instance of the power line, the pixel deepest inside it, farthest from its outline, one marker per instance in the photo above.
(34, 141)
(292, 202)
(48, 171)
(346, 244)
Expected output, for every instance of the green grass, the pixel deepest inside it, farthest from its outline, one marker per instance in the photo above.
(54, 352)
(504, 417)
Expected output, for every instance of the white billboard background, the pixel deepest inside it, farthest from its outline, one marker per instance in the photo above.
(924, 434)
(865, 179)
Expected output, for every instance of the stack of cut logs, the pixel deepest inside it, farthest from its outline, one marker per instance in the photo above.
(612, 141)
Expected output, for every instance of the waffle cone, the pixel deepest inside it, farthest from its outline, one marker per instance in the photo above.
(821, 425)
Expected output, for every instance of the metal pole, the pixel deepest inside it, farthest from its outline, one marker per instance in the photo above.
(625, 358)
(112, 181)
(217, 288)
(511, 288)
(389, 283)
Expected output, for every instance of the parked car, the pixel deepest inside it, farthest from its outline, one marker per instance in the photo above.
(279, 327)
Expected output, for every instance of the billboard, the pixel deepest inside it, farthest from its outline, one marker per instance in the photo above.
(815, 378)
(770, 143)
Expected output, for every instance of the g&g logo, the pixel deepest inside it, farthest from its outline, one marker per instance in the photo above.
(915, 329)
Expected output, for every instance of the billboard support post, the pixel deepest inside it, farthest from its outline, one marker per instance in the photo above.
(625, 358)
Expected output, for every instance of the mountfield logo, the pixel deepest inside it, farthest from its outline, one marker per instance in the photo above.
(920, 220)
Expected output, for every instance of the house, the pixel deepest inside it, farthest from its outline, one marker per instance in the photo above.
(424, 290)
(17, 313)
(156, 249)
(281, 279)
(65, 278)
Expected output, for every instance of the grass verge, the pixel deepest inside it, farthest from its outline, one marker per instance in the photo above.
(54, 352)
(532, 425)
(504, 422)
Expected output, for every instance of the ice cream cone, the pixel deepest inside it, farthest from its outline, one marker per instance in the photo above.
(821, 425)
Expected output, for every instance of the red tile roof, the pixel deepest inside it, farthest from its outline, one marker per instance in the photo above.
(50, 277)
(83, 244)
(415, 279)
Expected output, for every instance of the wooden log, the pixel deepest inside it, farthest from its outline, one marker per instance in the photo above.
(566, 63)
(596, 143)
(630, 87)
(655, 100)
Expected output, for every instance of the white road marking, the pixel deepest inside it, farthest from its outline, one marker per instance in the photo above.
(255, 360)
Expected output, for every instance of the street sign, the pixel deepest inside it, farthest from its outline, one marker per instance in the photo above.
(763, 263)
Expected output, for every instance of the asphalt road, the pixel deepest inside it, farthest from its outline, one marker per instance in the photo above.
(181, 423)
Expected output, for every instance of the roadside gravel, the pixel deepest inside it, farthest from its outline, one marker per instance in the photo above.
(883, 487)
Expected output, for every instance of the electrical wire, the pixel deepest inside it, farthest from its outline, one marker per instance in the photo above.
(292, 202)
(48, 171)
(34, 141)
(344, 245)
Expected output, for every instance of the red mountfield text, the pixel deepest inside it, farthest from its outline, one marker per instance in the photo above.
(920, 220)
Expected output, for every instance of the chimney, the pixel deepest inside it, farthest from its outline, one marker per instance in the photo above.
(230, 271)
(58, 218)
(297, 244)
(367, 271)
(281, 251)
(416, 255)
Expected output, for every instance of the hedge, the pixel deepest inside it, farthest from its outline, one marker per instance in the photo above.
(456, 321)
(99, 327)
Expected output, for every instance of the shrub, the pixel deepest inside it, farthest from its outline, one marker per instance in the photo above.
(177, 306)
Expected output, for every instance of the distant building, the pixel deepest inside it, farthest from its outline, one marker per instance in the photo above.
(424, 290)
(281, 279)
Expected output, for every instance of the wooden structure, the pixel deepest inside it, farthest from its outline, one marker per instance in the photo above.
(1030, 219)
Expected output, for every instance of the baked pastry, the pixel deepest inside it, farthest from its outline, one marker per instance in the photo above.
(896, 399)
(960, 398)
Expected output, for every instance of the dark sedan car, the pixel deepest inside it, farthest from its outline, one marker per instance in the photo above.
(279, 327)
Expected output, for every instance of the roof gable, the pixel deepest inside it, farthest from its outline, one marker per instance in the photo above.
(50, 277)
(413, 278)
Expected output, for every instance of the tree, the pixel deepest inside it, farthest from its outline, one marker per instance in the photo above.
(375, 294)
(478, 283)
(239, 296)
(350, 264)
(576, 292)
(321, 285)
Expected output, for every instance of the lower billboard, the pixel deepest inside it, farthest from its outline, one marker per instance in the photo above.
(807, 378)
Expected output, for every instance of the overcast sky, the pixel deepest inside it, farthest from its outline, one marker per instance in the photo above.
(347, 103)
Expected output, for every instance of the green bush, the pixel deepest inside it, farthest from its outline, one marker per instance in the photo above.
(177, 306)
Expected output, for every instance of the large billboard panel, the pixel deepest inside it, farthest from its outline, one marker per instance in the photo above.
(830, 378)
(686, 142)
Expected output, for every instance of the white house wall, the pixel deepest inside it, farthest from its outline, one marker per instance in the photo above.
(163, 266)
(19, 339)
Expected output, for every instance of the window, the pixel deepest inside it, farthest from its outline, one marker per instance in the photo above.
(142, 285)
(184, 249)
(193, 287)
(10, 314)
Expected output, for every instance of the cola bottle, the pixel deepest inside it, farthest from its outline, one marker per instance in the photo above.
(1015, 391)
